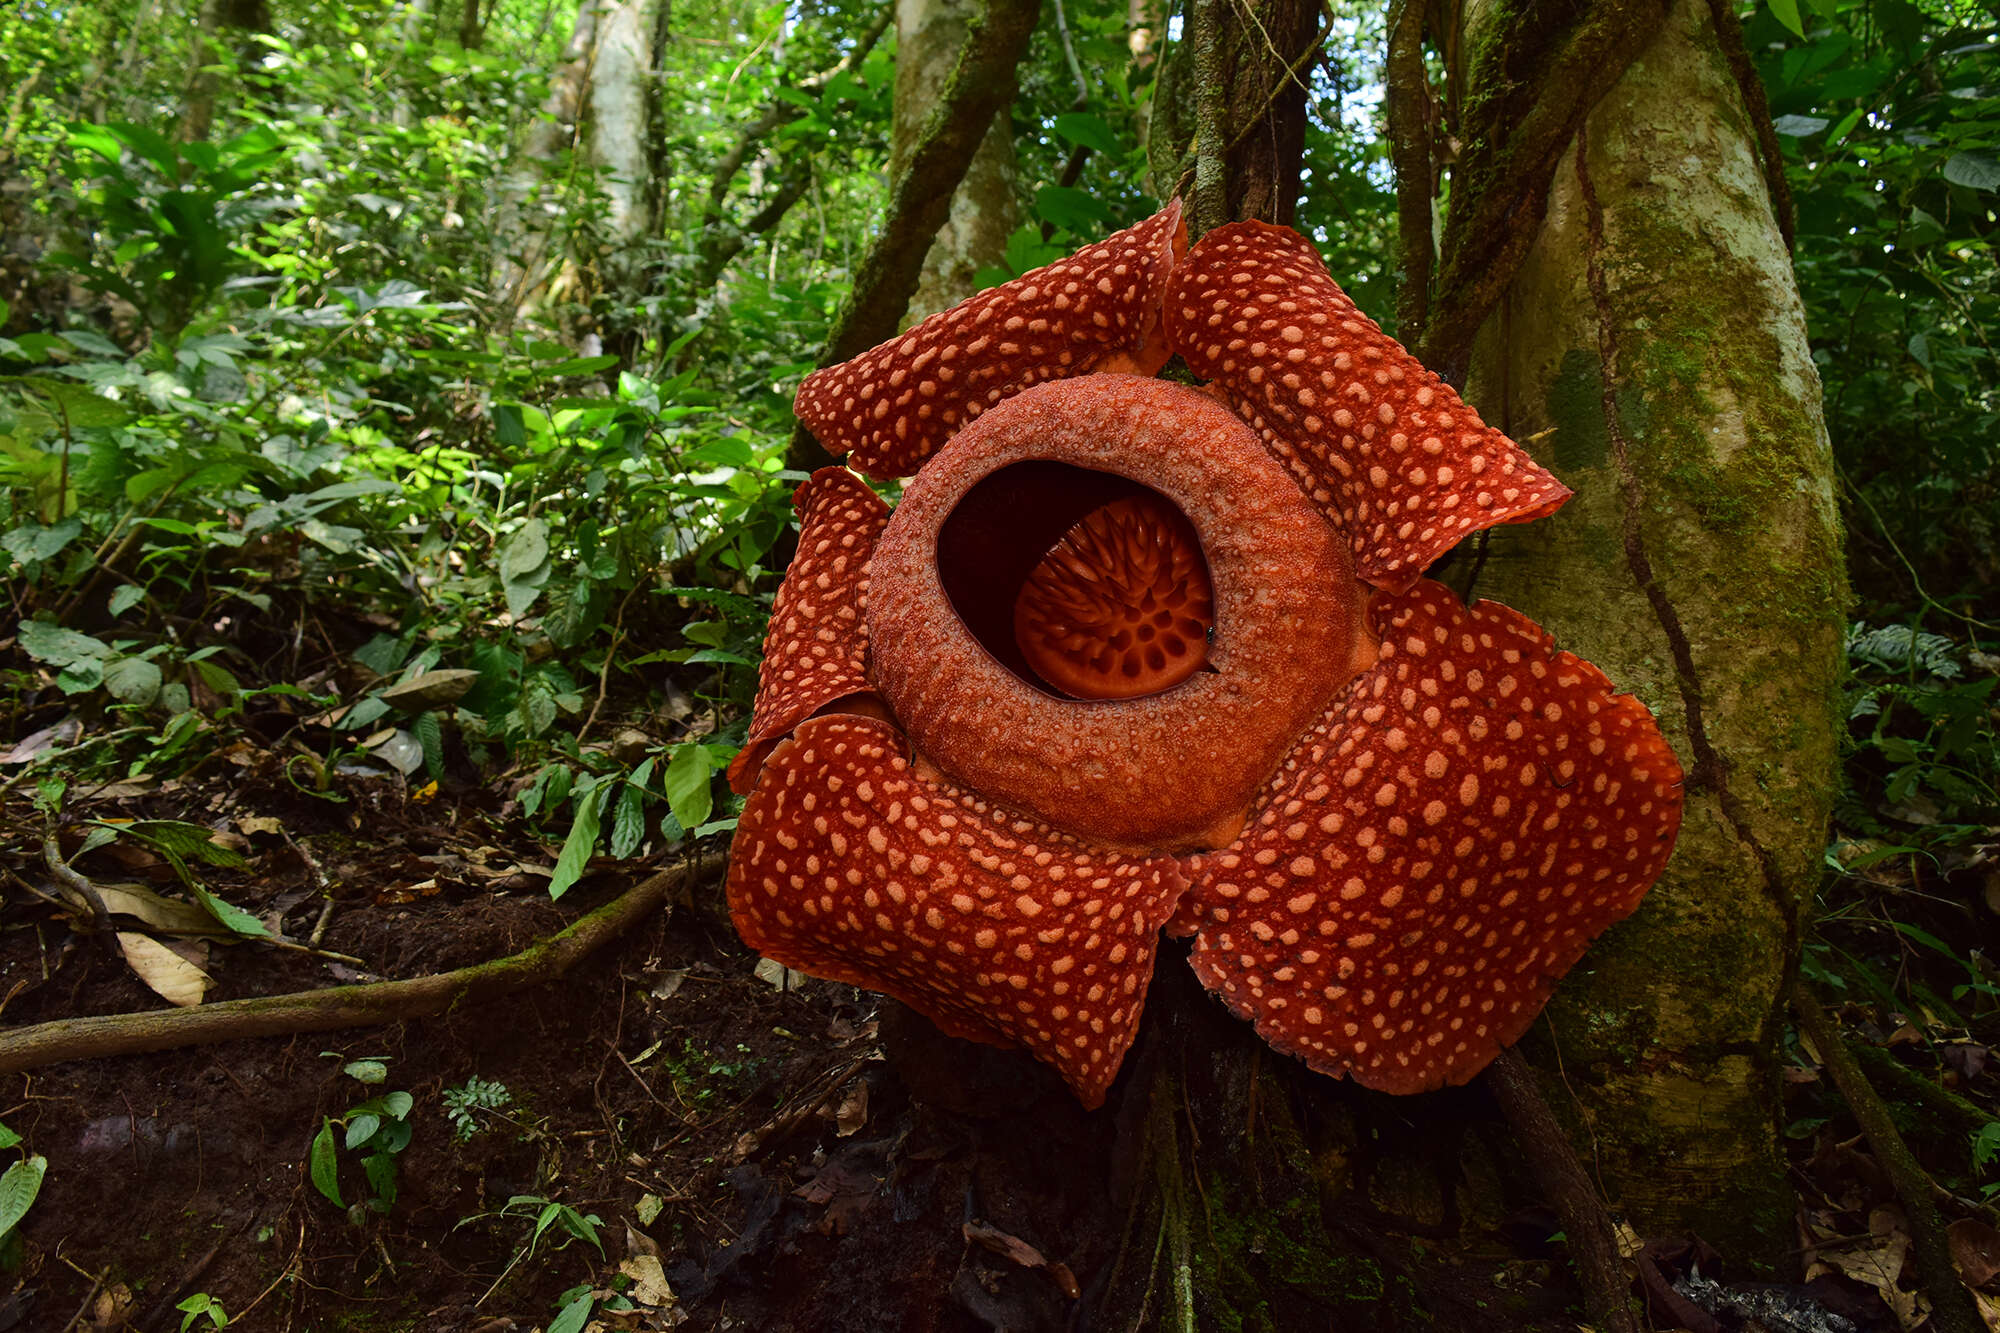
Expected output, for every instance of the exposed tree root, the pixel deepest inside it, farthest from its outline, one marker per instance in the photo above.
(1952, 1306)
(1592, 1242)
(348, 1006)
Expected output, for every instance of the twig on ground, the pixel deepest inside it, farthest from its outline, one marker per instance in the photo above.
(75, 882)
(347, 1006)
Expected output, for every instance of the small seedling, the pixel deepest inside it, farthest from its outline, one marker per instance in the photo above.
(202, 1304)
(543, 1214)
(376, 1130)
(476, 1094)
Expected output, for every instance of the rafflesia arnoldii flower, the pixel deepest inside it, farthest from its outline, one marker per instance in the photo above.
(1130, 655)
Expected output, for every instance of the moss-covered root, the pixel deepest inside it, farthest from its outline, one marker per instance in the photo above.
(1952, 1306)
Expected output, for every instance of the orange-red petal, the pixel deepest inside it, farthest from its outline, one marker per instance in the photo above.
(896, 404)
(1399, 461)
(849, 866)
(817, 642)
(1438, 851)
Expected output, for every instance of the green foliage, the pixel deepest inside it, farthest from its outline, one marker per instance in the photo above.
(474, 1095)
(373, 1131)
(202, 1306)
(1918, 808)
(1889, 120)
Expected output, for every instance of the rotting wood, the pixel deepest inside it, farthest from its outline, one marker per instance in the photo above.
(367, 1005)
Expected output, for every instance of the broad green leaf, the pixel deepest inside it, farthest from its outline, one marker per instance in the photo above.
(582, 839)
(628, 825)
(230, 915)
(58, 647)
(524, 550)
(1977, 171)
(1090, 131)
(32, 542)
(689, 784)
(361, 1128)
(380, 1168)
(366, 1071)
(8, 1138)
(1074, 210)
(1787, 13)
(324, 1164)
(18, 1188)
(179, 838)
(575, 1315)
(124, 597)
(132, 680)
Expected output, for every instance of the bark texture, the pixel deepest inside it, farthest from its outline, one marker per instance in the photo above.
(1654, 331)
(984, 208)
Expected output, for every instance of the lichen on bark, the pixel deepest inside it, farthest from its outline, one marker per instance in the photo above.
(1654, 329)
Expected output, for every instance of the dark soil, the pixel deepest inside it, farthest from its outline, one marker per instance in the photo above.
(794, 1159)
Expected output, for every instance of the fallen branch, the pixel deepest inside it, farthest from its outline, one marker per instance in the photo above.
(1593, 1244)
(1952, 1306)
(348, 1006)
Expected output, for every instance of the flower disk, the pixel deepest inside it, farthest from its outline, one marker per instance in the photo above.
(1169, 770)
(849, 866)
(1438, 851)
(1121, 607)
(1384, 446)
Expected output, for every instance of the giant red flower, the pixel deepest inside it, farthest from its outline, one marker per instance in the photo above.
(1130, 655)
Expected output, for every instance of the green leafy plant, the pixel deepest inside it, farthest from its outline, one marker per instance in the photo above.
(462, 1103)
(374, 1131)
(20, 1184)
(202, 1306)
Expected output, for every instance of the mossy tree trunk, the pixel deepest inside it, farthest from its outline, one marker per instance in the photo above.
(1652, 348)
(985, 208)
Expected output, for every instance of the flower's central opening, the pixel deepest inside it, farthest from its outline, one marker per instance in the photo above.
(1085, 584)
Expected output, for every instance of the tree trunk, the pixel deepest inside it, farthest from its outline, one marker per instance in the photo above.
(214, 18)
(529, 241)
(985, 209)
(621, 88)
(1654, 330)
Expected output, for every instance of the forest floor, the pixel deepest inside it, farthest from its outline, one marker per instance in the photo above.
(706, 1146)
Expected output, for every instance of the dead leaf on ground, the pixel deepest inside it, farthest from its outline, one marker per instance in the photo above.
(170, 976)
(1875, 1261)
(852, 1113)
(253, 825)
(403, 894)
(166, 914)
(649, 1280)
(429, 689)
(63, 733)
(1016, 1250)
(845, 1190)
(112, 1308)
(779, 977)
(1975, 1248)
